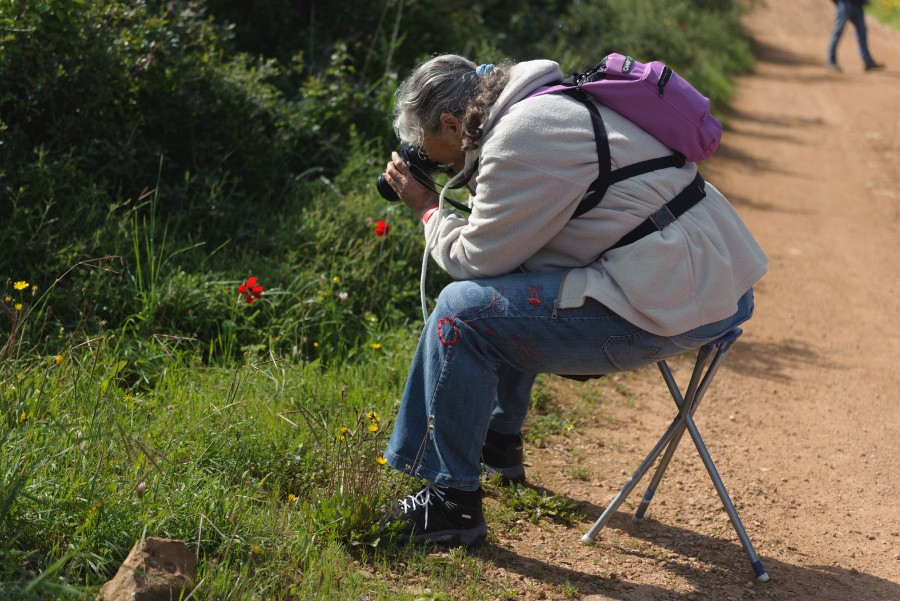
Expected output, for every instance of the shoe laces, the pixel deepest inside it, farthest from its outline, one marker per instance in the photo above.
(423, 499)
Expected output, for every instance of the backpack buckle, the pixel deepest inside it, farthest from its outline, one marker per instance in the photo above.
(593, 74)
(662, 217)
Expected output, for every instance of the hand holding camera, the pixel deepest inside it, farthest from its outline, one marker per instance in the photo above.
(420, 166)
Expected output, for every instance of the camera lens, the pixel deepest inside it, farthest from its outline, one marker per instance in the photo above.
(385, 189)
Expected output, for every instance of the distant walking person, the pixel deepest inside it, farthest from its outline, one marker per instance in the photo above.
(853, 11)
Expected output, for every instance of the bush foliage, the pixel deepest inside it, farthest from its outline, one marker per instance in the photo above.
(201, 141)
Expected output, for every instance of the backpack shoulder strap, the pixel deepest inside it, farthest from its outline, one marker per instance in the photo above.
(599, 186)
(607, 176)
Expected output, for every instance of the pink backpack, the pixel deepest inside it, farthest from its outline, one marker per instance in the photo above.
(655, 98)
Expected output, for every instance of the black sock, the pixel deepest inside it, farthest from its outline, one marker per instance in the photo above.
(495, 439)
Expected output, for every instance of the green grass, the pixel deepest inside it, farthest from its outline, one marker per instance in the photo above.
(886, 11)
(257, 465)
(268, 469)
(541, 505)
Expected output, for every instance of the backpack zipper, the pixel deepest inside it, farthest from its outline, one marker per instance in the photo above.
(663, 80)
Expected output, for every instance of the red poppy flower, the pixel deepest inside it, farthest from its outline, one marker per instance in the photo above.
(382, 228)
(250, 290)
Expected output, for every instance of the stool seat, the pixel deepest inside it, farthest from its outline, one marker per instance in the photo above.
(701, 378)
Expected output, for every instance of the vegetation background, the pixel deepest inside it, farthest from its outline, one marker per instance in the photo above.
(154, 155)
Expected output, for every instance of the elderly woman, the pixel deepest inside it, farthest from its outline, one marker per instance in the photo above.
(538, 290)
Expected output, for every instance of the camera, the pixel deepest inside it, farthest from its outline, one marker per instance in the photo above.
(419, 165)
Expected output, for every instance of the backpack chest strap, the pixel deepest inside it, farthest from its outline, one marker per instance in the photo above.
(668, 213)
(607, 177)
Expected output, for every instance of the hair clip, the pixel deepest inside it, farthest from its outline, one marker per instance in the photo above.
(483, 70)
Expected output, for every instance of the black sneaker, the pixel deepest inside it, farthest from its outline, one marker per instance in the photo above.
(503, 455)
(429, 516)
(872, 65)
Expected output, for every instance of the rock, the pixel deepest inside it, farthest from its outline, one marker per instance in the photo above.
(157, 569)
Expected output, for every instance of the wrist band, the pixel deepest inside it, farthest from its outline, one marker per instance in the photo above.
(427, 214)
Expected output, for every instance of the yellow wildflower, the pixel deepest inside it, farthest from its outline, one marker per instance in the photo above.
(58, 359)
(376, 345)
(20, 285)
(381, 460)
(256, 549)
(22, 418)
(336, 279)
(373, 427)
(371, 415)
(7, 299)
(291, 498)
(342, 434)
(18, 306)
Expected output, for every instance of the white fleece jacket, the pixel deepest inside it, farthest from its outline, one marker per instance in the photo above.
(536, 160)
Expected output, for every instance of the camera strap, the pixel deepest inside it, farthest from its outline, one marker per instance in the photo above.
(456, 204)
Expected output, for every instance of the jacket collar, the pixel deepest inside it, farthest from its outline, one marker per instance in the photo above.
(524, 78)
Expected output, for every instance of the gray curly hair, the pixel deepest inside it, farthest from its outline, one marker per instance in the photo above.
(446, 83)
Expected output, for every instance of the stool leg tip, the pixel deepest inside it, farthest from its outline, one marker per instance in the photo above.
(587, 539)
(761, 574)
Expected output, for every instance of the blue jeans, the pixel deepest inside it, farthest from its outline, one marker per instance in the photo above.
(856, 15)
(478, 356)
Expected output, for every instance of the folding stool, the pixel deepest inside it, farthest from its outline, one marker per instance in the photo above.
(687, 405)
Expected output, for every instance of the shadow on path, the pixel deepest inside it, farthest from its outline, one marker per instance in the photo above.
(768, 53)
(728, 562)
(689, 556)
(776, 361)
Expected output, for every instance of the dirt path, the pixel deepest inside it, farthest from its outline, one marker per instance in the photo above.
(803, 421)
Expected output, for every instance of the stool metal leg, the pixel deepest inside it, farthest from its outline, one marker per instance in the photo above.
(632, 482)
(702, 357)
(695, 391)
(674, 432)
(687, 405)
(761, 574)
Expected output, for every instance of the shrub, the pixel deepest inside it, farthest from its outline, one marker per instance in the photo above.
(107, 100)
(701, 39)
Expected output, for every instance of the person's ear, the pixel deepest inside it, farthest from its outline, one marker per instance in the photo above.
(451, 122)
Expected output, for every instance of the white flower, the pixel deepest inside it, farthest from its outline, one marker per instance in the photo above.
(343, 296)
